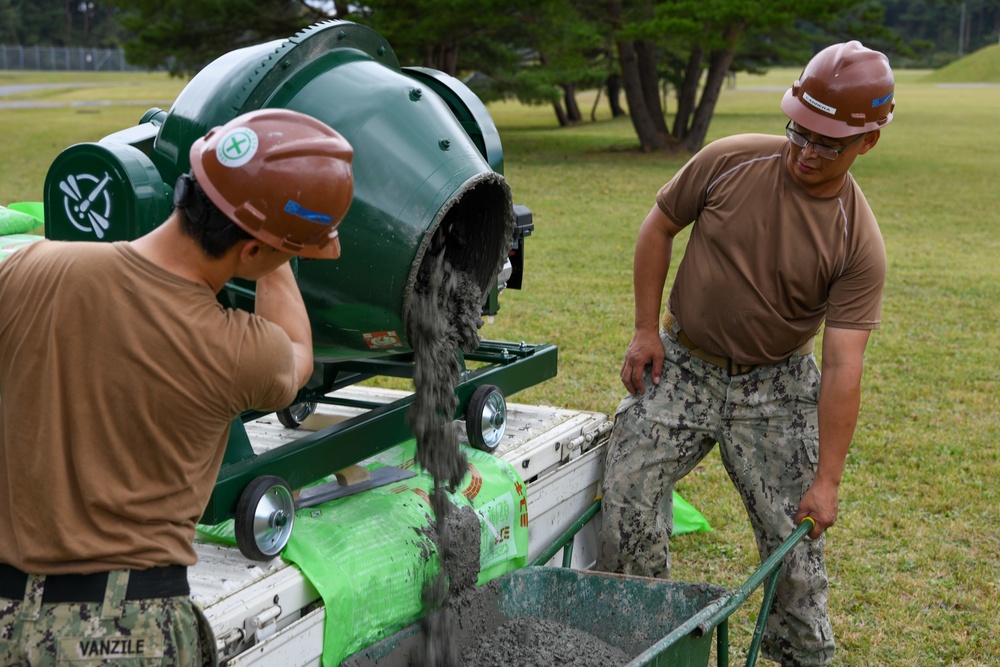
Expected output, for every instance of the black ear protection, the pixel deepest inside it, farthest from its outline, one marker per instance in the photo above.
(198, 208)
(187, 198)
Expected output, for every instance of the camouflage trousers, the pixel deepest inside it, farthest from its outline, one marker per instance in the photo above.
(766, 427)
(136, 633)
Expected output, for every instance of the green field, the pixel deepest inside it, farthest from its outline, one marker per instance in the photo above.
(913, 560)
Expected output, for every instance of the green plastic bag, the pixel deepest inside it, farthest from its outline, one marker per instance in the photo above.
(369, 554)
(21, 218)
(687, 519)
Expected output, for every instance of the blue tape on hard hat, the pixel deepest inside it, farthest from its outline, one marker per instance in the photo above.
(879, 101)
(297, 209)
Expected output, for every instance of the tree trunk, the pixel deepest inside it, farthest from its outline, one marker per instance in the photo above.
(442, 57)
(628, 62)
(569, 99)
(448, 58)
(593, 109)
(687, 94)
(718, 67)
(69, 22)
(560, 114)
(614, 85)
(645, 126)
(646, 55)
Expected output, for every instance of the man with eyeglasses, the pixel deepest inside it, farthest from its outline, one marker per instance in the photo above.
(782, 241)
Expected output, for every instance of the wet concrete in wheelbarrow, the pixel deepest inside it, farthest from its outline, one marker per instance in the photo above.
(539, 642)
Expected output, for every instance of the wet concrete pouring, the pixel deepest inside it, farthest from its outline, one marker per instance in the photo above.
(445, 314)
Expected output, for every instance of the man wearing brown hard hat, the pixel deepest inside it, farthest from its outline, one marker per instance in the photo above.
(782, 241)
(120, 374)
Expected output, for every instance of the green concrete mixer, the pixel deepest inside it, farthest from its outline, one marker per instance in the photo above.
(428, 168)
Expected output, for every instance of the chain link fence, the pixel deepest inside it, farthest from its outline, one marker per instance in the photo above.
(64, 58)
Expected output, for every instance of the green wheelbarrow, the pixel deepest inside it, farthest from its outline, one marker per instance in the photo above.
(661, 623)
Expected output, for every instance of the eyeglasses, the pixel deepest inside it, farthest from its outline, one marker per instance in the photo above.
(825, 152)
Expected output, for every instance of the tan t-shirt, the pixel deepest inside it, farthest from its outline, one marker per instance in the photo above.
(118, 385)
(766, 262)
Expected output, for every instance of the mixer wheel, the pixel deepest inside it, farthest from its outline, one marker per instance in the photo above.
(264, 517)
(486, 418)
(295, 414)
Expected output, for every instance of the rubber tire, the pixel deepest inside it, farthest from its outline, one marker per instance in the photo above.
(296, 414)
(246, 515)
(484, 397)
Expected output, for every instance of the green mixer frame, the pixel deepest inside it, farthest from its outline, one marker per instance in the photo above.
(254, 489)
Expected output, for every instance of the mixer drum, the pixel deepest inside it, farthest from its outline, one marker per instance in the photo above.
(427, 165)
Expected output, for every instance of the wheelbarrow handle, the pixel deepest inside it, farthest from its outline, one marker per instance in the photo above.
(768, 567)
(719, 611)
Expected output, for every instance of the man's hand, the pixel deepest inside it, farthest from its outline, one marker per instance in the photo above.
(644, 350)
(820, 503)
(649, 272)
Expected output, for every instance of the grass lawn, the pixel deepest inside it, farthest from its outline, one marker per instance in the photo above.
(913, 560)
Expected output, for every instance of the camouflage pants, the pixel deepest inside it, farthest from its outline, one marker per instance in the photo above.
(766, 427)
(138, 633)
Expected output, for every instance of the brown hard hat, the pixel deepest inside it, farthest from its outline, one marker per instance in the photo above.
(845, 89)
(282, 176)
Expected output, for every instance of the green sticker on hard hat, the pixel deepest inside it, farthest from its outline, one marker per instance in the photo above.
(237, 147)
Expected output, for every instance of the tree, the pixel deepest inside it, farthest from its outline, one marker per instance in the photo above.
(639, 80)
(448, 35)
(543, 51)
(694, 45)
(940, 30)
(561, 61)
(58, 23)
(10, 21)
(189, 34)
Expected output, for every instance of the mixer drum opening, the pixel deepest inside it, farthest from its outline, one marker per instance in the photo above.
(474, 231)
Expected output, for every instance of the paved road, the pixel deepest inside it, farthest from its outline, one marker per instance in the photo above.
(18, 88)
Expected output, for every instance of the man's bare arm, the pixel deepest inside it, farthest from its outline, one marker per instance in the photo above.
(839, 404)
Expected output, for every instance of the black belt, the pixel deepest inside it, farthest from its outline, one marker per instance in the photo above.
(732, 368)
(156, 582)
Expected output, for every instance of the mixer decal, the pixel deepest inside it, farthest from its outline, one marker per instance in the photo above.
(87, 202)
(380, 340)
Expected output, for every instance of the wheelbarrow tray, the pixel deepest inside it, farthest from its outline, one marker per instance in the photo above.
(630, 613)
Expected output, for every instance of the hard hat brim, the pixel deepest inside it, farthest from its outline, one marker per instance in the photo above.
(330, 251)
(813, 121)
(816, 122)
